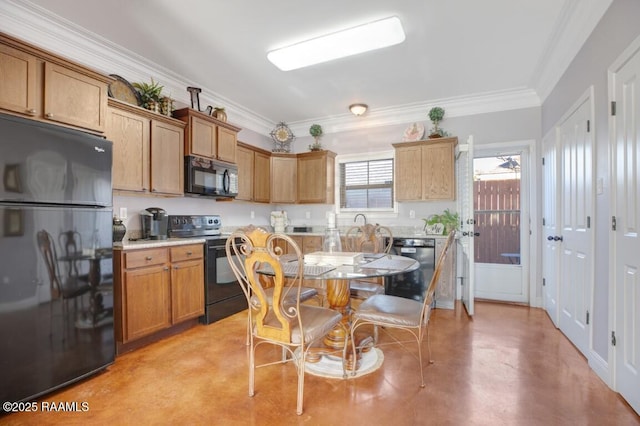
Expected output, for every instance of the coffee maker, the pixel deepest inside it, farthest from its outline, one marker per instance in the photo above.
(154, 223)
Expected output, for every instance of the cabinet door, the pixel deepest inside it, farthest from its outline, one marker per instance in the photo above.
(226, 145)
(245, 161)
(311, 243)
(312, 179)
(167, 162)
(130, 136)
(146, 300)
(408, 177)
(187, 290)
(18, 84)
(283, 179)
(74, 98)
(261, 177)
(204, 138)
(438, 172)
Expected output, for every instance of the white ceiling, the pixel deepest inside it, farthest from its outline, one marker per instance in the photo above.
(456, 52)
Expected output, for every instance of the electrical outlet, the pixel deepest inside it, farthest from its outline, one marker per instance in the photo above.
(123, 213)
(253, 214)
(412, 214)
(307, 215)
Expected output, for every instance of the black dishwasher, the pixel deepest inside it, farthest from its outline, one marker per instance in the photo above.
(412, 285)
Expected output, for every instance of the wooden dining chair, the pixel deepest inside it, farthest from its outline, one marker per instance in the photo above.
(389, 311)
(282, 319)
(368, 238)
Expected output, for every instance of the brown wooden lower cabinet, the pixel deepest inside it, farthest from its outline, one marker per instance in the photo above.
(156, 289)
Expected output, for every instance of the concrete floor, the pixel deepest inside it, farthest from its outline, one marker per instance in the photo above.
(507, 366)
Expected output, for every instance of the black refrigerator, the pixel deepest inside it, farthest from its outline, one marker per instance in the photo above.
(56, 281)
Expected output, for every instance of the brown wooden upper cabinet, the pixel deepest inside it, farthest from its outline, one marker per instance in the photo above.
(207, 136)
(425, 170)
(147, 150)
(316, 176)
(254, 166)
(284, 171)
(38, 85)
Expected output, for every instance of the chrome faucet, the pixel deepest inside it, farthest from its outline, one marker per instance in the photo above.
(363, 216)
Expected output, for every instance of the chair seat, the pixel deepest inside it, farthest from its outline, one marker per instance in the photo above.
(393, 310)
(306, 293)
(364, 289)
(317, 322)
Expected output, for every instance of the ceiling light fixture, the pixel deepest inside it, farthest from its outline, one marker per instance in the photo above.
(373, 35)
(358, 109)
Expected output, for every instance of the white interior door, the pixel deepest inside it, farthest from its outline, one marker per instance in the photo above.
(626, 238)
(465, 208)
(576, 209)
(550, 252)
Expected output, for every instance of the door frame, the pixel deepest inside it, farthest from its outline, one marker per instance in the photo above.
(529, 218)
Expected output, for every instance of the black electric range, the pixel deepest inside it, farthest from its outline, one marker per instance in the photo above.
(223, 295)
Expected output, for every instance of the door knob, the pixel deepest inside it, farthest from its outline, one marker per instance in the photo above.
(550, 238)
(556, 238)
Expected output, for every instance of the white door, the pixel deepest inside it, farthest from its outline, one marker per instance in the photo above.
(576, 210)
(626, 238)
(464, 167)
(550, 229)
(501, 212)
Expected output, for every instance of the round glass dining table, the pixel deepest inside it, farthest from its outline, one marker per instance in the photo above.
(338, 293)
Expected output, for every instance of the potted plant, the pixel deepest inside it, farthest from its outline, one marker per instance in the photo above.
(436, 114)
(448, 219)
(316, 131)
(150, 94)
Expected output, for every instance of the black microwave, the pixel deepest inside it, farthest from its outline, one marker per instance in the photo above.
(206, 177)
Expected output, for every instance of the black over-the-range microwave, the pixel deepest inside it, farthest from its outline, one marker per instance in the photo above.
(206, 177)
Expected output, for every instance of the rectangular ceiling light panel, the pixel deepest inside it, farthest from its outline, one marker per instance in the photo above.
(371, 36)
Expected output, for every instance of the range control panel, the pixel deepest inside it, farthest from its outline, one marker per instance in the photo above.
(194, 226)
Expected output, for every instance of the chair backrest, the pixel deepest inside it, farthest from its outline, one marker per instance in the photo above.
(70, 243)
(431, 288)
(369, 238)
(48, 251)
(257, 250)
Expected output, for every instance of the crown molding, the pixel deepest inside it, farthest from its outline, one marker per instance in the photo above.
(576, 22)
(401, 114)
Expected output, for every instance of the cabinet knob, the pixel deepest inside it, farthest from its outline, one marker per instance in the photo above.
(31, 111)
(149, 257)
(49, 115)
(189, 253)
(153, 190)
(166, 268)
(175, 267)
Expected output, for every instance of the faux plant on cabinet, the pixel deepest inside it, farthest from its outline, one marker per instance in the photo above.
(316, 131)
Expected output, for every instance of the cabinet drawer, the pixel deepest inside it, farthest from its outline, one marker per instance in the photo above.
(136, 259)
(180, 253)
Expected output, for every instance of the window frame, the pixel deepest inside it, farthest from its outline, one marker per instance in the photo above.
(372, 213)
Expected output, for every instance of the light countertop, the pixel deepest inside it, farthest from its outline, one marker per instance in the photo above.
(145, 244)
